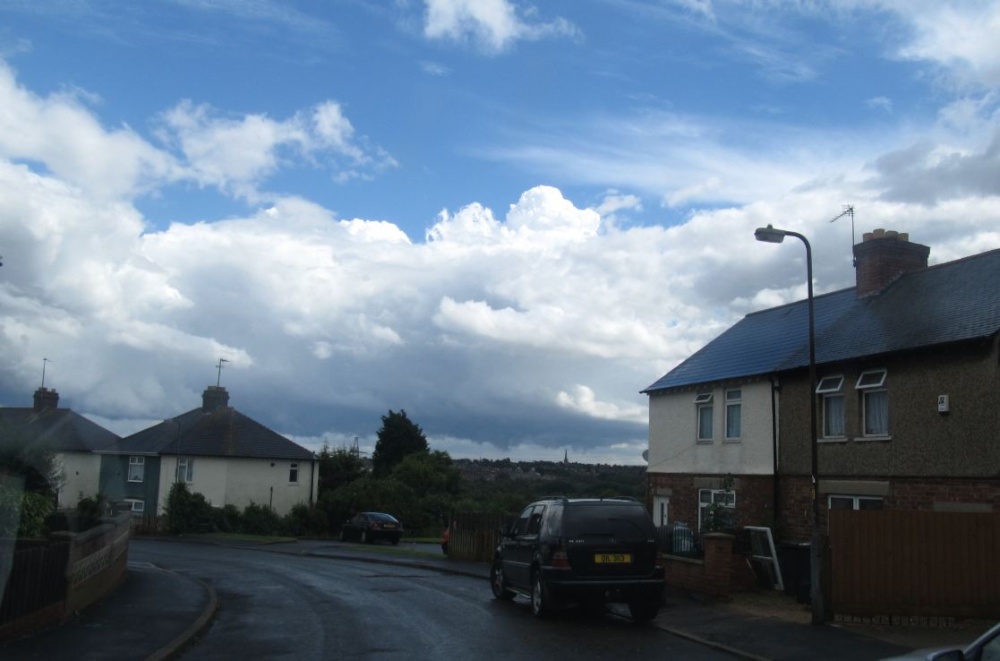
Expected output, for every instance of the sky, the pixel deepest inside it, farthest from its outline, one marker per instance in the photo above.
(505, 218)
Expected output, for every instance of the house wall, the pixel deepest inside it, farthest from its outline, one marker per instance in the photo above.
(964, 443)
(239, 482)
(673, 444)
(115, 486)
(81, 477)
(754, 496)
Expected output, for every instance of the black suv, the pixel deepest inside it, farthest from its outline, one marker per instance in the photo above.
(590, 551)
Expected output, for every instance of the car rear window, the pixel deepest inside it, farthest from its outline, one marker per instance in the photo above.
(379, 516)
(626, 521)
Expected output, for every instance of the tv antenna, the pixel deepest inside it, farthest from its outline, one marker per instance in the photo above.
(218, 380)
(848, 211)
(44, 360)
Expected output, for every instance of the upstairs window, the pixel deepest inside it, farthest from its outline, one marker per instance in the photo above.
(874, 403)
(293, 473)
(703, 405)
(830, 388)
(185, 470)
(734, 409)
(136, 468)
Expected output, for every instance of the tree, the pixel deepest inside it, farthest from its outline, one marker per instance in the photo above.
(429, 473)
(338, 467)
(398, 438)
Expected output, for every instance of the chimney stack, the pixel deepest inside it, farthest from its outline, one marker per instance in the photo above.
(46, 399)
(882, 256)
(214, 398)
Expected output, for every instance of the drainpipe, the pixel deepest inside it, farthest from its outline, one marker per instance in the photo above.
(775, 389)
(312, 479)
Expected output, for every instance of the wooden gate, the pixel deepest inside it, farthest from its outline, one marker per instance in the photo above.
(914, 563)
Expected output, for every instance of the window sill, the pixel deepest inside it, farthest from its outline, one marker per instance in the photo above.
(704, 441)
(876, 439)
(832, 439)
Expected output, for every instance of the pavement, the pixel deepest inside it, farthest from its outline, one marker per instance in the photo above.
(155, 613)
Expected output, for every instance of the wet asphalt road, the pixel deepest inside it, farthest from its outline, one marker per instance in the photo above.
(277, 606)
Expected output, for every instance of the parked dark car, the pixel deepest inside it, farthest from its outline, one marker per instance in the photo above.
(587, 551)
(368, 527)
(984, 648)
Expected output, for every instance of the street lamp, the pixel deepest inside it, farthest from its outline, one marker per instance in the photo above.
(771, 234)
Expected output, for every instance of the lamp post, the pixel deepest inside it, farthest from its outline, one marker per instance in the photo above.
(771, 234)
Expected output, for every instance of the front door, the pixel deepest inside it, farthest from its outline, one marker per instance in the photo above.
(661, 508)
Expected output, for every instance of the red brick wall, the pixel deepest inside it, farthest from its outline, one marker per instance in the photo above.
(754, 497)
(795, 517)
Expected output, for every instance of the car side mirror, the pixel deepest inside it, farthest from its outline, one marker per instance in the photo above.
(947, 655)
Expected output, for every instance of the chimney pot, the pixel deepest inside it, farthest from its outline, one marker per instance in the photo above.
(884, 256)
(46, 398)
(214, 398)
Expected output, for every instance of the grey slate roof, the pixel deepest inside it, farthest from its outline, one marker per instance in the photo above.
(224, 432)
(941, 304)
(63, 430)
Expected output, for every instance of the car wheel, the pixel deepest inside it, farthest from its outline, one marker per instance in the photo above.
(643, 610)
(541, 599)
(498, 584)
(395, 541)
(364, 537)
(343, 534)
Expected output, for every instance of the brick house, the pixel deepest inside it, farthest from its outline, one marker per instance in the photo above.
(219, 452)
(907, 396)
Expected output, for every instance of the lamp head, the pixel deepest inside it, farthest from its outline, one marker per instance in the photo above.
(769, 234)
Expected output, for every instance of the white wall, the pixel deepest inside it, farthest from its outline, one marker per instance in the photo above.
(673, 445)
(81, 473)
(242, 481)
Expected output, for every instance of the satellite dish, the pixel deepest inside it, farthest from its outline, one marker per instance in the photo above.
(645, 455)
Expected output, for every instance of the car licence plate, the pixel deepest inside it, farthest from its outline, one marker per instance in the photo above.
(612, 558)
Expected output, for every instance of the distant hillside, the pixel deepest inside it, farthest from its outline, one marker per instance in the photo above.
(513, 482)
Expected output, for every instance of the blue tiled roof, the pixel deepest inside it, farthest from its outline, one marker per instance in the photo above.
(224, 432)
(946, 303)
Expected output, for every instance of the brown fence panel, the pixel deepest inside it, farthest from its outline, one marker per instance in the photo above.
(914, 563)
(474, 535)
(37, 579)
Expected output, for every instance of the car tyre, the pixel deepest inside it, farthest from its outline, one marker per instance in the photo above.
(395, 541)
(643, 610)
(364, 537)
(498, 583)
(542, 603)
(343, 534)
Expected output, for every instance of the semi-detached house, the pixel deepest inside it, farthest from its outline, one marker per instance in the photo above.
(907, 395)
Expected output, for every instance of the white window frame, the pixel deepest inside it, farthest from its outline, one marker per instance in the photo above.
(137, 506)
(872, 382)
(136, 468)
(723, 497)
(734, 402)
(855, 500)
(830, 388)
(187, 464)
(703, 401)
(293, 473)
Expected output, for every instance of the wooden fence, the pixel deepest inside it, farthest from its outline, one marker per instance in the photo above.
(474, 536)
(888, 563)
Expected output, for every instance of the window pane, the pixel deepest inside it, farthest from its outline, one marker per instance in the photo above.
(869, 503)
(733, 414)
(841, 503)
(704, 423)
(876, 405)
(833, 415)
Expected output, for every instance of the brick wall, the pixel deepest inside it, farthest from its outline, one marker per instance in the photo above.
(754, 496)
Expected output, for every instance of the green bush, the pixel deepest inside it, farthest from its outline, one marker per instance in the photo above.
(306, 521)
(260, 520)
(23, 514)
(188, 512)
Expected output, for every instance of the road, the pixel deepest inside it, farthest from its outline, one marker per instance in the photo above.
(279, 606)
